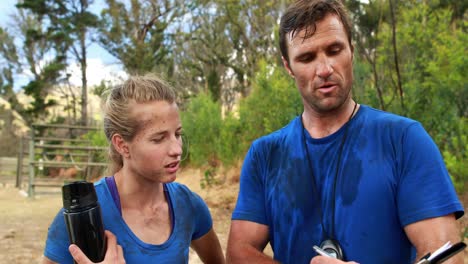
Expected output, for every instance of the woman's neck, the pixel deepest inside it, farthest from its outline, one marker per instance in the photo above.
(136, 191)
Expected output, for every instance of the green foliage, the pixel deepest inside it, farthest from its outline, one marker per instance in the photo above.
(433, 65)
(202, 123)
(273, 103)
(63, 26)
(38, 44)
(456, 156)
(208, 179)
(101, 89)
(10, 64)
(39, 88)
(224, 50)
(137, 34)
(231, 138)
(363, 87)
(97, 138)
(219, 46)
(436, 82)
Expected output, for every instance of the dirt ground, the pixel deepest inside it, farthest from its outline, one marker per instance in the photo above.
(24, 221)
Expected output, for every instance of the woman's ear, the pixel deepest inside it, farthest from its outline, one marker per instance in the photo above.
(120, 145)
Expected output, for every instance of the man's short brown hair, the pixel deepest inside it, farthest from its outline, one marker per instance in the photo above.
(304, 14)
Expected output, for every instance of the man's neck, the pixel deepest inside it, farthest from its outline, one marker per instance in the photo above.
(322, 124)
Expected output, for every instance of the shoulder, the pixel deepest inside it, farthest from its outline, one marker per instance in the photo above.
(404, 136)
(178, 187)
(183, 194)
(188, 204)
(386, 118)
(102, 190)
(388, 123)
(278, 138)
(100, 183)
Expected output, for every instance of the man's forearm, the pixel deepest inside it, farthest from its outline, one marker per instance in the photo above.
(241, 254)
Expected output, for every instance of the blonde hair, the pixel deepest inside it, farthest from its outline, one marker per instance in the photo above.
(117, 117)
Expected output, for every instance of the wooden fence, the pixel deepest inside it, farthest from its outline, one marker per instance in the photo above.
(39, 153)
(8, 169)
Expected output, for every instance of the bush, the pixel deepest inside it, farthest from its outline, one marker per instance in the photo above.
(273, 103)
(202, 125)
(97, 138)
(230, 149)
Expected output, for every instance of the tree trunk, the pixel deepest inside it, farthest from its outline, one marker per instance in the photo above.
(395, 54)
(84, 80)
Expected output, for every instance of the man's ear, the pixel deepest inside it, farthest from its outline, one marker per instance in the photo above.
(120, 145)
(286, 65)
(352, 51)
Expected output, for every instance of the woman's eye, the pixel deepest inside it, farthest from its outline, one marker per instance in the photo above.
(179, 134)
(157, 140)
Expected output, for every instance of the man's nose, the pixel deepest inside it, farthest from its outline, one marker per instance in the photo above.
(324, 67)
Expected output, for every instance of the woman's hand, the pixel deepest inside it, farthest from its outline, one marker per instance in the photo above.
(114, 252)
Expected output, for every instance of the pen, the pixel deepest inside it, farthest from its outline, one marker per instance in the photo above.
(424, 259)
(322, 252)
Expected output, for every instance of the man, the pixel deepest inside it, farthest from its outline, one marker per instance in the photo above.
(365, 185)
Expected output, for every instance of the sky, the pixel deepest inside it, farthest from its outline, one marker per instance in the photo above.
(101, 65)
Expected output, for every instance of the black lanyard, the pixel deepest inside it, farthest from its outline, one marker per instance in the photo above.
(332, 233)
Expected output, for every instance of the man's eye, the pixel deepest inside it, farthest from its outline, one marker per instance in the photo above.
(335, 50)
(305, 58)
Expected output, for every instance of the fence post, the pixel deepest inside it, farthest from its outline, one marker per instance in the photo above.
(19, 164)
(31, 164)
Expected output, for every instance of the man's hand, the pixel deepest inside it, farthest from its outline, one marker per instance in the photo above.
(114, 252)
(328, 260)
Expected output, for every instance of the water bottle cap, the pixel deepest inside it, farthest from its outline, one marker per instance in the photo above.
(78, 195)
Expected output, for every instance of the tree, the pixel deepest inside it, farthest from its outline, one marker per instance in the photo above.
(67, 24)
(432, 55)
(368, 19)
(42, 56)
(10, 62)
(200, 55)
(395, 53)
(138, 34)
(221, 43)
(273, 103)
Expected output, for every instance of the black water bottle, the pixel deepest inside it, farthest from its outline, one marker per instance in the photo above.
(83, 219)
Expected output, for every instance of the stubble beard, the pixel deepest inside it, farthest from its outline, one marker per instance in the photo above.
(328, 104)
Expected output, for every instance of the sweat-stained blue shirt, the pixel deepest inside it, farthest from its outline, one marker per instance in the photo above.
(391, 174)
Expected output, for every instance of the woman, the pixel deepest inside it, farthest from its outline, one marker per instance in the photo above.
(154, 219)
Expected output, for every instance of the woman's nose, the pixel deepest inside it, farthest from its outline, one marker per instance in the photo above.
(176, 147)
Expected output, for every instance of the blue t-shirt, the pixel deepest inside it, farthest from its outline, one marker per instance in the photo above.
(391, 175)
(192, 220)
